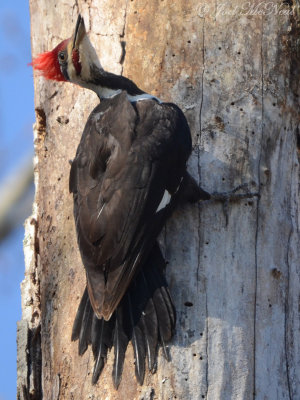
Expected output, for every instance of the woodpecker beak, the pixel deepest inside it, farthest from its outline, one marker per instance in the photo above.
(80, 32)
(82, 57)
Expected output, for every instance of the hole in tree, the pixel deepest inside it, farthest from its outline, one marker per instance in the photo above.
(188, 304)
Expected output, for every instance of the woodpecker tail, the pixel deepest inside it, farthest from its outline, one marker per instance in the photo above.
(145, 316)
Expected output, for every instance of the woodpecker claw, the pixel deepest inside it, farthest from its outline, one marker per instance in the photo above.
(231, 196)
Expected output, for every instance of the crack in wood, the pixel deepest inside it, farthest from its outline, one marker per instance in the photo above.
(287, 305)
(123, 42)
(199, 139)
(258, 211)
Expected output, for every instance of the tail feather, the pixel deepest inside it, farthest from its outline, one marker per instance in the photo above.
(85, 331)
(162, 311)
(79, 315)
(164, 308)
(149, 325)
(96, 334)
(103, 342)
(164, 322)
(162, 283)
(160, 276)
(97, 343)
(98, 367)
(171, 309)
(120, 343)
(146, 316)
(138, 343)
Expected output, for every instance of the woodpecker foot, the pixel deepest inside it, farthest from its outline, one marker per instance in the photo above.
(232, 195)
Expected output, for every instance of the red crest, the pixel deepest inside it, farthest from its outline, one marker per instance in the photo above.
(48, 63)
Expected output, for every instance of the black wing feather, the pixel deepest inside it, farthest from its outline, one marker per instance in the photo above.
(128, 157)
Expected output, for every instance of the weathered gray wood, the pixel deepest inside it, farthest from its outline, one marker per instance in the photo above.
(236, 285)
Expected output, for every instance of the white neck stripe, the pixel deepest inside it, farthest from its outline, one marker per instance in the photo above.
(106, 93)
(144, 96)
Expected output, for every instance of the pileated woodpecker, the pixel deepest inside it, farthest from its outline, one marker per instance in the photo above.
(128, 176)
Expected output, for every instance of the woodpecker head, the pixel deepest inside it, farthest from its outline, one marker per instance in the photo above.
(72, 60)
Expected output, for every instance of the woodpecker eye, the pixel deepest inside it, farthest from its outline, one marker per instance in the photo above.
(62, 56)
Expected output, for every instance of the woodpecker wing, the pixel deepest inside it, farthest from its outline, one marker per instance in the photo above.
(125, 179)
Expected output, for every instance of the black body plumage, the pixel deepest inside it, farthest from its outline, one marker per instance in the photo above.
(131, 157)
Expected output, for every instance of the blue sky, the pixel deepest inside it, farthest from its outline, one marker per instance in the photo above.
(16, 119)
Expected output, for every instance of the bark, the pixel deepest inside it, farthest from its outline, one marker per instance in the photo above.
(235, 284)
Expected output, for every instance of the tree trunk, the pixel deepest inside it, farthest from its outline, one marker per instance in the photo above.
(234, 275)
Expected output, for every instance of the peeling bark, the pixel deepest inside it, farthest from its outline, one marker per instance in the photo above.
(236, 284)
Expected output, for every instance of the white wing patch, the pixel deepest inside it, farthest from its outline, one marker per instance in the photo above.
(106, 93)
(164, 201)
